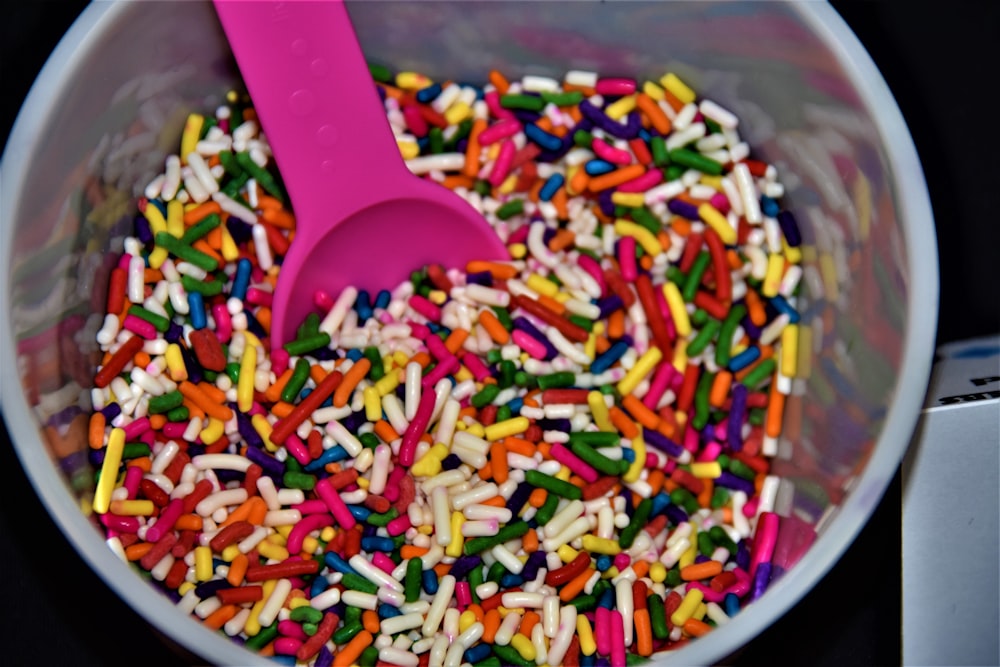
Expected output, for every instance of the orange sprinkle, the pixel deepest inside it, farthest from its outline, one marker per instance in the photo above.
(675, 103)
(486, 471)
(707, 489)
(495, 501)
(616, 177)
(696, 628)
(559, 200)
(471, 167)
(156, 422)
(408, 551)
(477, 611)
(221, 616)
(351, 651)
(95, 434)
(212, 391)
(188, 522)
(201, 245)
(720, 387)
(579, 181)
(384, 430)
(775, 412)
(136, 551)
(422, 358)
(499, 81)
(144, 463)
(317, 373)
(498, 461)
(152, 275)
(621, 421)
(491, 623)
(201, 211)
(352, 377)
(441, 569)
(497, 333)
(455, 181)
(537, 498)
(651, 110)
(237, 569)
(497, 270)
(278, 217)
(282, 409)
(551, 304)
(680, 225)
(369, 619)
(616, 324)
(205, 403)
(530, 542)
(455, 340)
(640, 412)
(528, 621)
(273, 393)
(519, 446)
(575, 585)
(141, 359)
(641, 568)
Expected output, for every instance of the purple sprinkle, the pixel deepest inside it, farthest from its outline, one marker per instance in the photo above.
(247, 431)
(630, 130)
(790, 228)
(751, 329)
(609, 304)
(225, 476)
(451, 462)
(209, 588)
(353, 421)
(562, 425)
(111, 411)
(239, 230)
(683, 209)
(676, 514)
(527, 327)
(731, 481)
(481, 278)
(324, 658)
(142, 229)
(463, 565)
(737, 411)
(604, 201)
(526, 116)
(535, 561)
(272, 466)
(174, 333)
(662, 442)
(743, 555)
(518, 498)
(761, 578)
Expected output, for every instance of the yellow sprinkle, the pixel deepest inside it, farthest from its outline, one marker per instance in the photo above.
(412, 81)
(157, 223)
(132, 507)
(508, 185)
(714, 182)
(477, 430)
(437, 297)
(600, 545)
(570, 171)
(523, 645)
(252, 626)
(677, 88)
(328, 533)
(230, 553)
(387, 383)
(400, 359)
(203, 569)
(109, 470)
(280, 535)
(678, 312)
(564, 473)
(185, 587)
(643, 366)
(362, 482)
(706, 470)
(599, 410)
(408, 149)
(789, 350)
(158, 256)
(772, 279)
(620, 107)
(457, 112)
(863, 204)
(230, 252)
(610, 573)
(175, 218)
(506, 428)
(192, 131)
(263, 428)
(244, 388)
(425, 530)
(586, 635)
(658, 572)
(590, 347)
(454, 549)
(793, 255)
(700, 611)
(463, 374)
(643, 236)
(295, 603)
(687, 558)
(373, 404)
(630, 199)
(562, 297)
(566, 553)
(517, 250)
(270, 550)
(828, 271)
(634, 470)
(654, 91)
(687, 607)
(714, 219)
(680, 355)
(212, 431)
(466, 620)
(175, 363)
(542, 285)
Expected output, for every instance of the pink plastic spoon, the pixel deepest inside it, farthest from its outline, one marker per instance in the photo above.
(362, 218)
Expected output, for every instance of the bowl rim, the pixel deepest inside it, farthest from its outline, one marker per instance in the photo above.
(921, 250)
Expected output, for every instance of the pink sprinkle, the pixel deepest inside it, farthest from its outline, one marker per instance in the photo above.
(662, 378)
(503, 163)
(139, 327)
(622, 561)
(590, 265)
(148, 438)
(519, 235)
(383, 562)
(286, 645)
(134, 429)
(259, 297)
(463, 594)
(602, 630)
(414, 121)
(720, 202)
(305, 526)
(337, 507)
(642, 183)
(418, 330)
(710, 594)
(223, 322)
(256, 274)
(765, 537)
(441, 371)
(617, 638)
(174, 429)
(502, 129)
(290, 628)
(571, 461)
(668, 320)
(527, 343)
(399, 525)
(165, 522)
(120, 524)
(626, 258)
(425, 308)
(710, 452)
(492, 99)
(391, 492)
(476, 367)
(610, 153)
(750, 508)
(437, 348)
(312, 506)
(124, 262)
(417, 427)
(323, 300)
(279, 361)
(615, 86)
(133, 477)
(298, 449)
(691, 439)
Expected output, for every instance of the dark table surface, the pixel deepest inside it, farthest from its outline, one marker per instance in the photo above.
(939, 65)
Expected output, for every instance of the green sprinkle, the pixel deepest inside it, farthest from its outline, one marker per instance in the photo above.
(509, 656)
(705, 544)
(159, 322)
(518, 101)
(504, 413)
(233, 187)
(358, 583)
(377, 371)
(180, 414)
(509, 532)
(644, 217)
(723, 349)
(704, 337)
(496, 572)
(721, 539)
(369, 440)
(583, 139)
(485, 396)
(510, 209)
(200, 228)
(584, 602)
(347, 632)
(698, 318)
(504, 317)
(299, 480)
(684, 498)
(657, 616)
(369, 657)
(203, 287)
(482, 187)
(582, 322)
(760, 373)
(300, 374)
(524, 379)
(673, 172)
(435, 140)
(233, 371)
(310, 628)
(230, 164)
(165, 402)
(629, 532)
(133, 450)
(701, 406)
(302, 345)
(673, 577)
(741, 469)
(556, 380)
(306, 614)
(693, 160)
(553, 485)
(675, 275)
(595, 438)
(412, 581)
(185, 252)
(690, 287)
(594, 459)
(491, 661)
(658, 149)
(475, 580)
(382, 520)
(563, 99)
(720, 496)
(263, 638)
(262, 176)
(380, 73)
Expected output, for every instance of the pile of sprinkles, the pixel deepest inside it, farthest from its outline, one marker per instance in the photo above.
(558, 459)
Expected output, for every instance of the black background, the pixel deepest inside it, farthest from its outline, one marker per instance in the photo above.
(941, 65)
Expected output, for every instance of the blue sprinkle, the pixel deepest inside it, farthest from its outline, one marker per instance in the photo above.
(429, 581)
(509, 580)
(359, 512)
(515, 405)
(388, 611)
(332, 455)
(197, 306)
(660, 502)
(603, 563)
(732, 604)
(628, 454)
(284, 659)
(596, 167)
(607, 599)
(476, 653)
(424, 144)
(242, 279)
(382, 299)
(782, 306)
(354, 354)
(768, 206)
(384, 544)
(552, 185)
(744, 359)
(318, 585)
(338, 564)
(428, 94)
(547, 141)
(604, 361)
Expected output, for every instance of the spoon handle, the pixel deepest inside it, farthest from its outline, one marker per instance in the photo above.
(317, 104)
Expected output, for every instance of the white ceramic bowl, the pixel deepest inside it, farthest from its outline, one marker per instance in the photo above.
(810, 100)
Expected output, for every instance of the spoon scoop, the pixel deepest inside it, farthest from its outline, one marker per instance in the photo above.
(362, 218)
